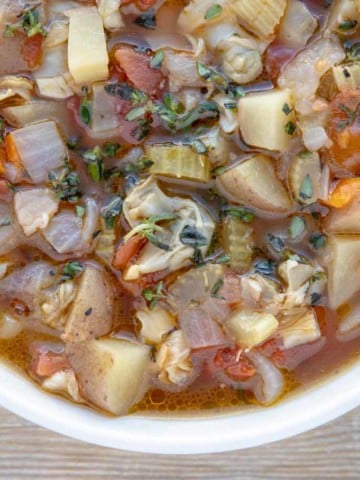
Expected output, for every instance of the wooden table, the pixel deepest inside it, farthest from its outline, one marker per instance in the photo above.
(329, 452)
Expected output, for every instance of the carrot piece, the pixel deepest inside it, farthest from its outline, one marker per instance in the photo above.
(12, 153)
(31, 50)
(346, 191)
(136, 66)
(127, 251)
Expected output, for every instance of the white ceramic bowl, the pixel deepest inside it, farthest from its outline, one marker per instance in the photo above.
(208, 434)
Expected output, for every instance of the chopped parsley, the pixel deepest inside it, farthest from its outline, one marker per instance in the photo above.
(29, 23)
(353, 52)
(216, 288)
(318, 240)
(275, 242)
(290, 128)
(111, 211)
(71, 270)
(297, 227)
(128, 168)
(95, 159)
(147, 20)
(306, 190)
(265, 267)
(213, 11)
(352, 115)
(153, 296)
(126, 92)
(66, 184)
(243, 213)
(347, 25)
(85, 110)
(157, 59)
(286, 109)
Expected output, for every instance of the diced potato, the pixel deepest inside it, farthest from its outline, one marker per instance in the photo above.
(347, 77)
(40, 149)
(259, 16)
(155, 324)
(87, 53)
(254, 183)
(91, 314)
(299, 328)
(112, 373)
(344, 220)
(238, 241)
(297, 26)
(295, 274)
(304, 177)
(262, 121)
(34, 208)
(343, 268)
(179, 161)
(10, 327)
(251, 328)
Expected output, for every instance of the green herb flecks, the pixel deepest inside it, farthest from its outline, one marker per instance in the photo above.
(347, 25)
(286, 109)
(275, 242)
(147, 20)
(80, 211)
(243, 213)
(297, 227)
(66, 184)
(95, 159)
(149, 227)
(28, 22)
(290, 128)
(126, 92)
(157, 59)
(352, 115)
(216, 288)
(265, 267)
(153, 296)
(71, 270)
(318, 240)
(213, 11)
(353, 52)
(111, 211)
(85, 110)
(306, 190)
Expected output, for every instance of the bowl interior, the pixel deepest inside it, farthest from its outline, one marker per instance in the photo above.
(183, 435)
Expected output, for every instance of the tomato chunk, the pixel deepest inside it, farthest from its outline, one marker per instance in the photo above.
(136, 66)
(31, 50)
(127, 251)
(234, 363)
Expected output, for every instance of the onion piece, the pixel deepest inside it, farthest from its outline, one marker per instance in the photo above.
(40, 148)
(11, 234)
(200, 330)
(68, 233)
(270, 382)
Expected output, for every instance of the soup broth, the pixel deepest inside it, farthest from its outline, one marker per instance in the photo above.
(179, 199)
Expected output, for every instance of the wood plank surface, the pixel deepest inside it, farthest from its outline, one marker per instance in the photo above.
(329, 452)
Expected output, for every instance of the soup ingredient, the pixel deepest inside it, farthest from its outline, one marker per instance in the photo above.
(156, 323)
(112, 373)
(238, 241)
(260, 112)
(241, 184)
(179, 161)
(305, 177)
(87, 53)
(251, 328)
(297, 26)
(299, 327)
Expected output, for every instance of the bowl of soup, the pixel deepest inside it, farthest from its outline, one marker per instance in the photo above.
(179, 204)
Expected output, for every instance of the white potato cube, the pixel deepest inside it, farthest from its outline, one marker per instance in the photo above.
(251, 328)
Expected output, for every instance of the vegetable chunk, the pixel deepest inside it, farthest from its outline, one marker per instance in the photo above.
(87, 53)
(265, 119)
(112, 373)
(91, 314)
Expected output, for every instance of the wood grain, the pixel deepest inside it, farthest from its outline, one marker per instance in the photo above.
(329, 452)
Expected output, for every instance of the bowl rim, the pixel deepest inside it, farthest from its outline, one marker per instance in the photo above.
(198, 435)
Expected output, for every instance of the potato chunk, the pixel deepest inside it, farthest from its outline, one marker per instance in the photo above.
(344, 268)
(263, 119)
(87, 53)
(254, 183)
(91, 314)
(112, 373)
(251, 328)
